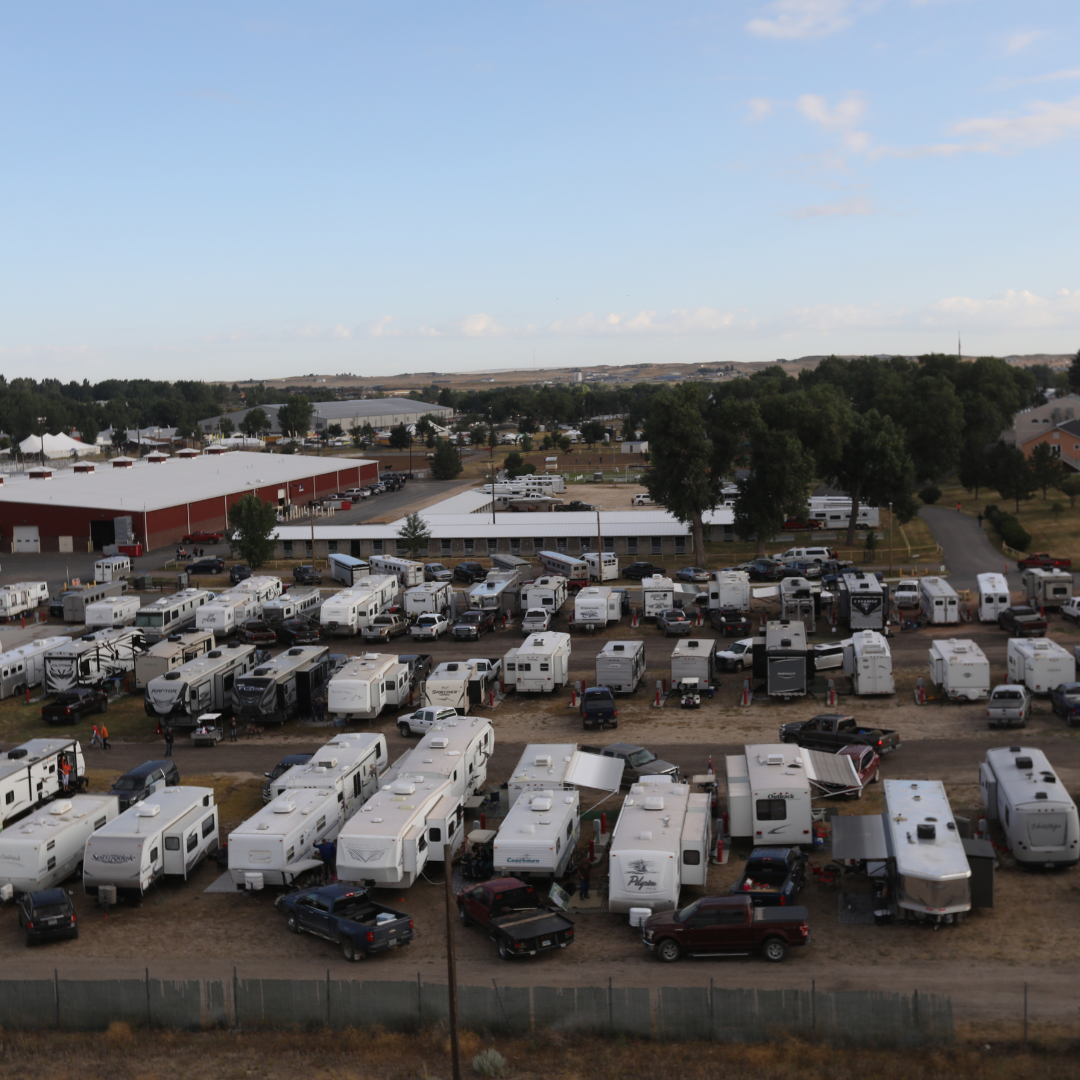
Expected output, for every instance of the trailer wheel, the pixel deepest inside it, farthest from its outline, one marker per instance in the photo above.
(774, 950)
(669, 950)
(350, 952)
(291, 923)
(738, 665)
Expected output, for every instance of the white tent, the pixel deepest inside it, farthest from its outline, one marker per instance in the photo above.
(55, 446)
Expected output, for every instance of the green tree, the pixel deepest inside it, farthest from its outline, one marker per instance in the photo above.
(516, 465)
(335, 431)
(1069, 486)
(1046, 467)
(446, 465)
(424, 428)
(400, 439)
(294, 417)
(592, 431)
(1074, 372)
(1012, 476)
(414, 534)
(564, 443)
(781, 472)
(526, 443)
(226, 427)
(251, 522)
(255, 423)
(478, 435)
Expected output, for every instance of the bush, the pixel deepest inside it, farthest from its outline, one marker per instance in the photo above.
(490, 1063)
(930, 494)
(1008, 528)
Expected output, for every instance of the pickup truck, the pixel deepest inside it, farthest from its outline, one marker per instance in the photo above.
(423, 720)
(348, 917)
(731, 622)
(772, 876)
(726, 924)
(598, 707)
(638, 763)
(1009, 706)
(490, 669)
(420, 664)
(510, 911)
(471, 624)
(384, 627)
(1020, 620)
(429, 626)
(1045, 561)
(832, 731)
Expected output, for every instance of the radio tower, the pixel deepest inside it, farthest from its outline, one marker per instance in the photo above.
(959, 353)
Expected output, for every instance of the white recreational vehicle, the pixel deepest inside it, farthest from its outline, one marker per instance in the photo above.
(661, 841)
(429, 597)
(352, 763)
(170, 614)
(1039, 663)
(693, 658)
(538, 835)
(24, 666)
(1047, 588)
(542, 663)
(75, 600)
(112, 568)
(961, 669)
(264, 588)
(227, 612)
(358, 690)
(868, 660)
(171, 653)
(562, 767)
(112, 612)
(169, 832)
(657, 595)
(932, 874)
(548, 593)
(497, 592)
(787, 659)
(91, 659)
(993, 596)
(454, 750)
(21, 597)
(202, 684)
(295, 604)
(863, 601)
(834, 512)
(347, 570)
(595, 606)
(407, 571)
(43, 850)
(347, 613)
(620, 665)
(1036, 813)
(797, 602)
(282, 688)
(554, 562)
(939, 601)
(729, 589)
(448, 686)
(602, 567)
(30, 774)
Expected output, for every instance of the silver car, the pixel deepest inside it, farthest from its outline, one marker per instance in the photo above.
(536, 621)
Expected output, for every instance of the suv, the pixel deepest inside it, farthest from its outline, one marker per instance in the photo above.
(384, 627)
(435, 571)
(469, 572)
(306, 575)
(206, 566)
(423, 720)
(46, 915)
(239, 572)
(639, 570)
(143, 780)
(471, 624)
(810, 554)
(282, 767)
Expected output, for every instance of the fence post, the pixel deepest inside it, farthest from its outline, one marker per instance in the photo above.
(149, 1023)
(235, 999)
(56, 991)
(813, 1007)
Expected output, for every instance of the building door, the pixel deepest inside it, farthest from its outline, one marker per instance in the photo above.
(354, 548)
(26, 538)
(102, 533)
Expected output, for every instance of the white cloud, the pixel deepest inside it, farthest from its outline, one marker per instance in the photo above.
(471, 326)
(853, 206)
(677, 322)
(760, 108)
(798, 19)
(1029, 80)
(1014, 309)
(1019, 41)
(842, 117)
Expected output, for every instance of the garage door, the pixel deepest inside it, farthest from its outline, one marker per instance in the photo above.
(26, 538)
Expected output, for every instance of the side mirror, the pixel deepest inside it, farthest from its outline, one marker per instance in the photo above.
(267, 775)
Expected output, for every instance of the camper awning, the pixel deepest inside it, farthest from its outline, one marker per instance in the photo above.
(830, 773)
(858, 837)
(766, 593)
(594, 771)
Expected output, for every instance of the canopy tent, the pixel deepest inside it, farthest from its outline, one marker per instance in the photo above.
(55, 446)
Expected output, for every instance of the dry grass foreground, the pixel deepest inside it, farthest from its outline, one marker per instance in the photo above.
(363, 1053)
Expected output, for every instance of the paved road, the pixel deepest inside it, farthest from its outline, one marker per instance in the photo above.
(968, 551)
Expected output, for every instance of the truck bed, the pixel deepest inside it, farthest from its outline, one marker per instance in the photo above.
(533, 924)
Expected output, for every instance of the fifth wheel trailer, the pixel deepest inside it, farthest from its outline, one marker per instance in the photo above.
(171, 653)
(1039, 663)
(283, 687)
(91, 659)
(203, 684)
(24, 666)
(30, 774)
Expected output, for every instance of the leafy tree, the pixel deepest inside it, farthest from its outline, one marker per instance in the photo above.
(492, 439)
(119, 437)
(527, 425)
(974, 466)
(1046, 467)
(446, 465)
(255, 423)
(1069, 486)
(226, 426)
(515, 465)
(478, 435)
(251, 523)
(564, 443)
(335, 431)
(592, 431)
(400, 439)
(526, 443)
(294, 417)
(424, 428)
(930, 494)
(1074, 372)
(1012, 476)
(414, 534)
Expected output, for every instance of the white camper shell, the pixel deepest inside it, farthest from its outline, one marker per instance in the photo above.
(199, 685)
(24, 666)
(961, 669)
(295, 604)
(548, 593)
(91, 659)
(347, 613)
(868, 660)
(729, 589)
(657, 595)
(346, 569)
(693, 658)
(170, 614)
(562, 767)
(112, 568)
(542, 663)
(993, 596)
(661, 842)
(1039, 663)
(1048, 588)
(933, 877)
(227, 612)
(358, 691)
(620, 665)
(538, 835)
(30, 774)
(429, 597)
(113, 612)
(407, 571)
(596, 606)
(1037, 815)
(602, 567)
(939, 601)
(169, 832)
(46, 848)
(554, 562)
(171, 653)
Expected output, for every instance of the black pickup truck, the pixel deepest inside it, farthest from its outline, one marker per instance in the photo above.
(834, 731)
(348, 917)
(772, 877)
(510, 911)
(598, 707)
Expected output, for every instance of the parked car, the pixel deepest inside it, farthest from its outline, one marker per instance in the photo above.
(200, 537)
(469, 572)
(1045, 561)
(697, 575)
(772, 876)
(867, 762)
(423, 720)
(535, 621)
(828, 655)
(471, 624)
(420, 664)
(307, 575)
(1070, 610)
(297, 632)
(346, 915)
(736, 657)
(239, 572)
(599, 708)
(642, 500)
(833, 731)
(143, 780)
(69, 706)
(1065, 702)
(256, 632)
(731, 622)
(726, 924)
(206, 566)
(675, 622)
(906, 594)
(765, 570)
(429, 627)
(795, 524)
(637, 761)
(282, 767)
(638, 570)
(802, 568)
(511, 913)
(384, 627)
(435, 571)
(47, 915)
(1020, 620)
(1009, 706)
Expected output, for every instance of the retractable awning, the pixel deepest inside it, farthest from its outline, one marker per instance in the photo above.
(858, 837)
(830, 774)
(595, 771)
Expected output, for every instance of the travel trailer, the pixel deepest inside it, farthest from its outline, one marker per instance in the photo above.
(202, 684)
(171, 653)
(1021, 792)
(602, 567)
(961, 669)
(797, 602)
(620, 665)
(538, 835)
(347, 613)
(729, 589)
(169, 833)
(562, 767)
(595, 607)
(282, 688)
(542, 663)
(407, 571)
(429, 597)
(114, 612)
(548, 593)
(75, 600)
(863, 601)
(939, 602)
(24, 666)
(1039, 663)
(448, 686)
(263, 588)
(112, 568)
(171, 614)
(498, 592)
(45, 849)
(566, 566)
(693, 658)
(302, 602)
(455, 750)
(868, 660)
(661, 842)
(932, 877)
(1047, 588)
(30, 775)
(993, 596)
(358, 691)
(227, 612)
(91, 659)
(347, 570)
(353, 762)
(18, 599)
(657, 595)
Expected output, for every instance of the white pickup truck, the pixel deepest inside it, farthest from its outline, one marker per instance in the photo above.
(429, 627)
(423, 720)
(490, 668)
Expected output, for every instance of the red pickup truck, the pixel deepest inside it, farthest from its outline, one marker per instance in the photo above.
(726, 924)
(1044, 561)
(510, 911)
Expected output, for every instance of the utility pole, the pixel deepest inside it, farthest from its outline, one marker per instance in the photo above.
(599, 548)
(451, 967)
(890, 538)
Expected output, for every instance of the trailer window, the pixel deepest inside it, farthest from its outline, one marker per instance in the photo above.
(50, 845)
(153, 855)
(193, 841)
(9, 797)
(98, 824)
(320, 824)
(208, 826)
(172, 843)
(545, 667)
(51, 864)
(691, 858)
(771, 810)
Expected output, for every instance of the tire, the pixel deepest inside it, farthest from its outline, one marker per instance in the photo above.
(404, 730)
(774, 950)
(104, 706)
(669, 950)
(877, 776)
(291, 924)
(739, 665)
(350, 952)
(29, 942)
(504, 952)
(462, 915)
(858, 794)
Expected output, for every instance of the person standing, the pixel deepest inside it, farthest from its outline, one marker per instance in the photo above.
(232, 728)
(168, 740)
(327, 850)
(65, 774)
(584, 874)
(105, 737)
(95, 737)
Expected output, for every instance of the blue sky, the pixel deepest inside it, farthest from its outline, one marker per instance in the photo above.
(237, 190)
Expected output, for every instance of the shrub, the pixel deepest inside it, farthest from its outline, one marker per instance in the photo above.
(1008, 528)
(930, 494)
(490, 1063)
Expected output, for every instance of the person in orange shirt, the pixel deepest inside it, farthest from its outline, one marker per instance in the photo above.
(65, 773)
(105, 738)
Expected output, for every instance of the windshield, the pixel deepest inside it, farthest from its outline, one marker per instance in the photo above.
(127, 783)
(148, 618)
(1007, 695)
(50, 911)
(686, 912)
(641, 757)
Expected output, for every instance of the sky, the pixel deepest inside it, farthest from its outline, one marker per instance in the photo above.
(233, 190)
